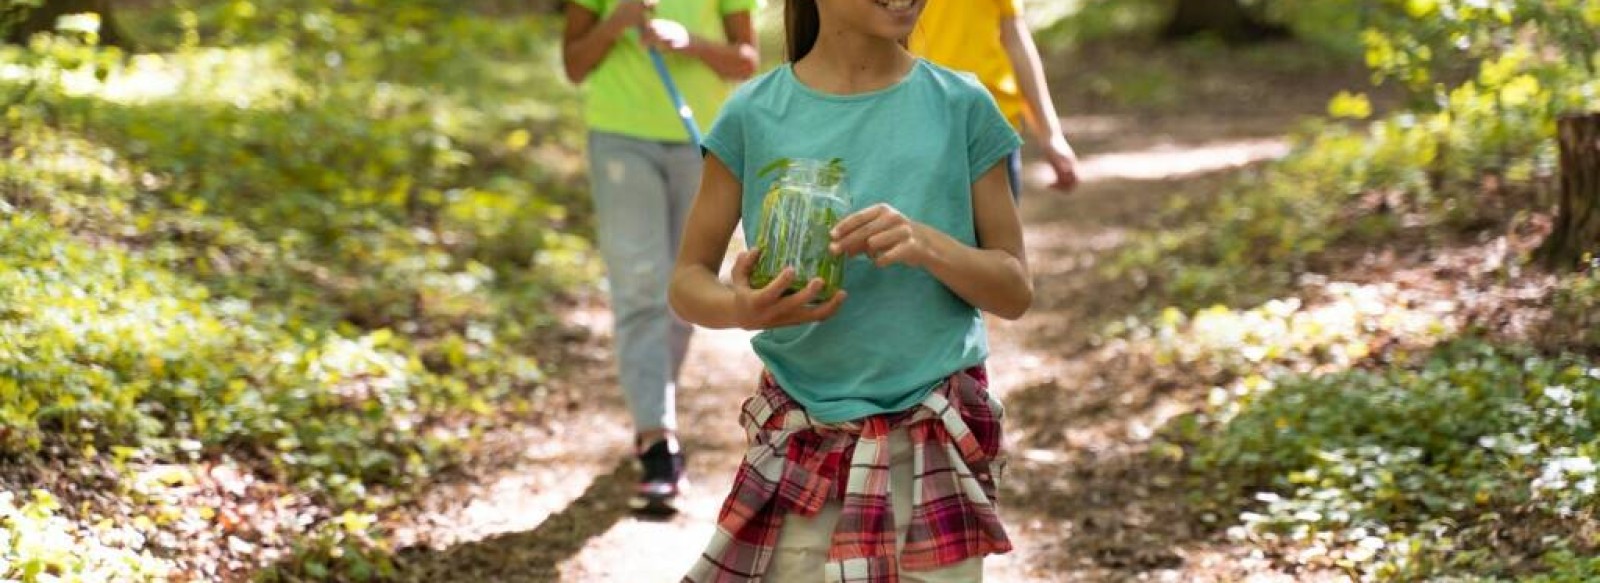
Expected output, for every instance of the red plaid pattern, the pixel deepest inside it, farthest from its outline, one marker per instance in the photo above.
(795, 464)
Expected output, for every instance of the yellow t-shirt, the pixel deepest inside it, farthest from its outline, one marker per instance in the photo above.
(965, 35)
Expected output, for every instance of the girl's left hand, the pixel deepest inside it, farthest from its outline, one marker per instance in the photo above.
(884, 235)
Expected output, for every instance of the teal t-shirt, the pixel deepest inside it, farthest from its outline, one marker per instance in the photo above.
(917, 145)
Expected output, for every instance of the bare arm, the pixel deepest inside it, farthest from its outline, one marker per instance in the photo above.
(587, 39)
(992, 276)
(697, 295)
(734, 60)
(1041, 108)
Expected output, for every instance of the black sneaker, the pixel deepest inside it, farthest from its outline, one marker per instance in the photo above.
(661, 479)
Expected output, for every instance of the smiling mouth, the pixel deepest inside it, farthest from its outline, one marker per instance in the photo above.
(897, 5)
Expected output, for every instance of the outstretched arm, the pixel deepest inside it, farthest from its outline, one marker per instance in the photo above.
(1041, 108)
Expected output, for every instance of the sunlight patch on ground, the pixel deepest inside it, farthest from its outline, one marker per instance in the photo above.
(655, 551)
(250, 77)
(1285, 337)
(1354, 320)
(520, 501)
(720, 372)
(1171, 161)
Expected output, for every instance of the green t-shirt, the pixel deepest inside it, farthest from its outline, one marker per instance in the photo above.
(917, 145)
(624, 95)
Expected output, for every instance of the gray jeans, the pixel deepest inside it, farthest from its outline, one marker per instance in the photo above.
(642, 191)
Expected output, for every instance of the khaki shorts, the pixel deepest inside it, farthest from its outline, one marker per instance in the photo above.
(802, 548)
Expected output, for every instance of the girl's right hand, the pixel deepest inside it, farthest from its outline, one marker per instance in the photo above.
(767, 307)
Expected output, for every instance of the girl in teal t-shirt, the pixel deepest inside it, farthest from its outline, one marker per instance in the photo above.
(643, 172)
(934, 239)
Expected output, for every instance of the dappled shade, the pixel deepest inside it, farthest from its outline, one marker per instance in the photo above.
(291, 289)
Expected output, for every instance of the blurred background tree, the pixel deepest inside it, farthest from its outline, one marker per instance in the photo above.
(1232, 21)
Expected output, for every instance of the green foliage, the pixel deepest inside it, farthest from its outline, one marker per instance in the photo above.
(38, 544)
(15, 13)
(1567, 567)
(1423, 169)
(1283, 336)
(1332, 26)
(344, 250)
(1577, 307)
(1390, 472)
(348, 548)
(101, 348)
(1413, 41)
(316, 239)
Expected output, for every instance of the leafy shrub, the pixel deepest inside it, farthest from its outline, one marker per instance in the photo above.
(347, 548)
(1577, 307)
(330, 264)
(1287, 336)
(1421, 169)
(98, 347)
(1387, 473)
(38, 544)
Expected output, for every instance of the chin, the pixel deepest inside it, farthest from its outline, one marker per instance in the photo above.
(898, 17)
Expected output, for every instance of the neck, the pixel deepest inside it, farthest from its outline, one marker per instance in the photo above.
(845, 61)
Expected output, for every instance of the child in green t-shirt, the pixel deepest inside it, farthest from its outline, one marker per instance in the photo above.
(643, 171)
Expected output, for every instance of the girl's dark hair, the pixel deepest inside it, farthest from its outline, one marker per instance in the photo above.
(801, 24)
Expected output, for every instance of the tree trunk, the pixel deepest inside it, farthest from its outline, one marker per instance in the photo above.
(43, 19)
(1577, 226)
(1228, 20)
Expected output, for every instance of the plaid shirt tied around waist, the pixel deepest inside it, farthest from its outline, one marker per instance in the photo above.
(796, 464)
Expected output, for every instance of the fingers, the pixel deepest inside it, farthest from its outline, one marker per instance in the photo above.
(800, 309)
(854, 232)
(743, 265)
(886, 240)
(1065, 181)
(773, 292)
(897, 254)
(798, 300)
(828, 308)
(855, 221)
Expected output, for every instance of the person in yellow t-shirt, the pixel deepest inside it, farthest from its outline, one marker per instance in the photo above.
(990, 39)
(644, 170)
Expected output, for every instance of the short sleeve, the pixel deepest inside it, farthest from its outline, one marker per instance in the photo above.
(1010, 8)
(726, 7)
(595, 6)
(726, 138)
(990, 136)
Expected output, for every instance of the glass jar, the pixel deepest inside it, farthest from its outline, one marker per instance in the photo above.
(806, 199)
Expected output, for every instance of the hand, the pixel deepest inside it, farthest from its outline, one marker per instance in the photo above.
(631, 14)
(760, 309)
(667, 35)
(884, 235)
(1064, 162)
